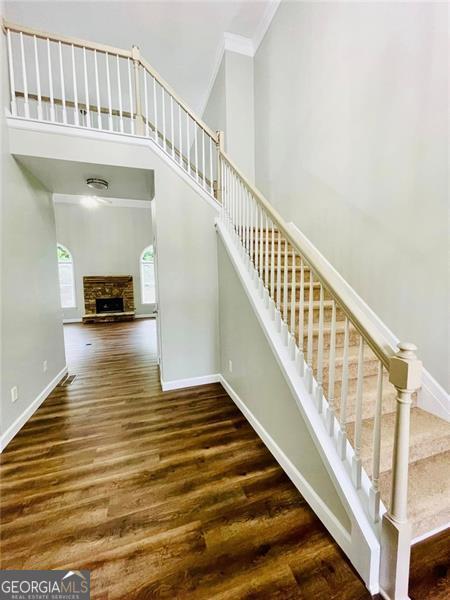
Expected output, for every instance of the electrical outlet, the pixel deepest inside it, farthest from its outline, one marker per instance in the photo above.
(230, 366)
(14, 393)
(44, 366)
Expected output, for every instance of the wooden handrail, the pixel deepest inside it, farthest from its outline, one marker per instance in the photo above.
(64, 39)
(380, 346)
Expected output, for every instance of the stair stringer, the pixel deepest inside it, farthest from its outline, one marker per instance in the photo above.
(363, 546)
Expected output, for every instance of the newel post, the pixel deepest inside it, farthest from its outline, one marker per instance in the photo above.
(220, 148)
(405, 374)
(139, 121)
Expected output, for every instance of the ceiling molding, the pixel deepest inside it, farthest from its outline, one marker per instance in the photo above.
(238, 43)
(110, 202)
(264, 24)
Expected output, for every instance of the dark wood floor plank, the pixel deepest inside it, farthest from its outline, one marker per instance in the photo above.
(164, 494)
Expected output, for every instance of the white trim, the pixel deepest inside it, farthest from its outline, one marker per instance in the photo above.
(33, 125)
(264, 24)
(66, 321)
(15, 427)
(146, 316)
(428, 534)
(334, 526)
(110, 202)
(431, 397)
(238, 43)
(176, 384)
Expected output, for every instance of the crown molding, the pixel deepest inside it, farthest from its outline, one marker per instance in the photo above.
(238, 43)
(111, 202)
(264, 24)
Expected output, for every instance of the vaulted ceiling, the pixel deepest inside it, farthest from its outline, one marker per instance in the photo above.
(181, 39)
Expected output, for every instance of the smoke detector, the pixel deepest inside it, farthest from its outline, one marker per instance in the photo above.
(97, 184)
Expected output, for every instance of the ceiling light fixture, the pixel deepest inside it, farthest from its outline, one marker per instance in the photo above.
(97, 184)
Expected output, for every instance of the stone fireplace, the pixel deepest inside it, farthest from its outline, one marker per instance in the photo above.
(108, 298)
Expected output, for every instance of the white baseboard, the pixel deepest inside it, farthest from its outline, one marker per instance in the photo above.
(177, 384)
(334, 526)
(433, 398)
(15, 427)
(72, 321)
(146, 316)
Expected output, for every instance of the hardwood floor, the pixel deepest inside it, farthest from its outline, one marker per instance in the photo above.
(162, 495)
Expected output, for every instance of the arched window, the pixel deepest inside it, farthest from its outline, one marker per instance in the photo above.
(66, 279)
(148, 276)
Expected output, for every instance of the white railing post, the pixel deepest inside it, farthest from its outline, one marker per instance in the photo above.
(11, 75)
(220, 149)
(405, 374)
(139, 127)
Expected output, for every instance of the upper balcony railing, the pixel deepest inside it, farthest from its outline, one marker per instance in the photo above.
(73, 82)
(70, 81)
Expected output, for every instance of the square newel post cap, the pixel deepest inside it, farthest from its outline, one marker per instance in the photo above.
(135, 53)
(405, 371)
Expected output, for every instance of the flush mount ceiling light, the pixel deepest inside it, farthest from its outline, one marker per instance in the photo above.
(97, 184)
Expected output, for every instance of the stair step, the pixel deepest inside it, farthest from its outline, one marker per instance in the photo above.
(429, 436)
(327, 310)
(306, 287)
(388, 404)
(428, 492)
(339, 337)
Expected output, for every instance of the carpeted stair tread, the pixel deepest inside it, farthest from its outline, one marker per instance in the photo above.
(430, 435)
(429, 492)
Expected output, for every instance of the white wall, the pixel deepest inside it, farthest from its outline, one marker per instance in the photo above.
(106, 240)
(258, 381)
(215, 113)
(351, 145)
(230, 108)
(31, 318)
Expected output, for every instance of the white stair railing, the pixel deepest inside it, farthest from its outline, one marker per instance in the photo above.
(68, 81)
(73, 82)
(316, 321)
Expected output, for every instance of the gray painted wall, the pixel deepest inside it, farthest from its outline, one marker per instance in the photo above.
(215, 113)
(230, 108)
(31, 318)
(106, 240)
(187, 279)
(258, 381)
(351, 145)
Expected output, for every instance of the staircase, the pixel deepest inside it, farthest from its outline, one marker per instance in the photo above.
(357, 392)
(429, 447)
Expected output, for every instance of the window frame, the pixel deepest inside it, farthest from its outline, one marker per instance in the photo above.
(72, 276)
(141, 274)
